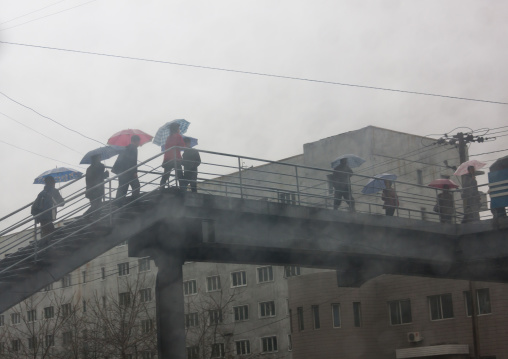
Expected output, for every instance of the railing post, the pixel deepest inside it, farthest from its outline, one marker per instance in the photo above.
(177, 181)
(297, 185)
(35, 240)
(109, 205)
(240, 176)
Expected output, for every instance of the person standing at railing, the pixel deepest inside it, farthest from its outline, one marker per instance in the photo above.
(190, 161)
(172, 158)
(390, 199)
(49, 197)
(126, 160)
(445, 205)
(95, 175)
(341, 182)
(471, 196)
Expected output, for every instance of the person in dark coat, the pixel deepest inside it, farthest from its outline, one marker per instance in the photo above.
(172, 158)
(95, 175)
(47, 198)
(471, 197)
(445, 205)
(390, 199)
(126, 160)
(341, 182)
(190, 161)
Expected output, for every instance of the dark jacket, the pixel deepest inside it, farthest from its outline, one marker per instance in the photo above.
(341, 177)
(126, 160)
(95, 175)
(470, 189)
(191, 159)
(390, 198)
(47, 198)
(445, 203)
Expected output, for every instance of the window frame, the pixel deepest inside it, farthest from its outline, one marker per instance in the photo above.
(186, 288)
(144, 265)
(400, 312)
(262, 307)
(300, 319)
(441, 311)
(191, 319)
(247, 347)
(213, 281)
(15, 318)
(123, 269)
(243, 310)
(49, 310)
(333, 306)
(222, 350)
(262, 272)
(357, 314)
(316, 320)
(213, 319)
(478, 301)
(66, 281)
(274, 340)
(31, 316)
(124, 299)
(243, 277)
(145, 295)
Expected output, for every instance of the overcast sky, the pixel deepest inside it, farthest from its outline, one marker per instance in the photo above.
(454, 48)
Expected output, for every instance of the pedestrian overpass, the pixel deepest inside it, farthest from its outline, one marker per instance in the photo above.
(277, 213)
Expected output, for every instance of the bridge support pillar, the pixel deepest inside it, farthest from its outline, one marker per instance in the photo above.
(170, 307)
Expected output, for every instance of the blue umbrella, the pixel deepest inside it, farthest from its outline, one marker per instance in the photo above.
(377, 183)
(163, 132)
(352, 161)
(60, 174)
(193, 142)
(105, 153)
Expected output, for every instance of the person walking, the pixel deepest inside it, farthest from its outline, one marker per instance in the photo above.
(48, 198)
(95, 175)
(390, 199)
(173, 157)
(445, 205)
(190, 162)
(471, 196)
(341, 182)
(127, 176)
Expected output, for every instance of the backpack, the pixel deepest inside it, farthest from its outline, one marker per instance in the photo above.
(38, 205)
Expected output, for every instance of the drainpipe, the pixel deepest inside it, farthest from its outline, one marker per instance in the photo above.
(474, 322)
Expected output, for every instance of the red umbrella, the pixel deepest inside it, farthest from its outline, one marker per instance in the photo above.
(123, 138)
(440, 182)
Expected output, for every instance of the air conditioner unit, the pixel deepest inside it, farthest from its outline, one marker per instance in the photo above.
(414, 337)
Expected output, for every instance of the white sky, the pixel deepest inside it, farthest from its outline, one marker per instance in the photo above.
(448, 47)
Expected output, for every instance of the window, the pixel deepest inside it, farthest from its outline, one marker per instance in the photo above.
(242, 347)
(146, 326)
(144, 264)
(290, 343)
(265, 274)
(16, 345)
(84, 306)
(145, 295)
(147, 354)
(49, 312)
(241, 313)
(103, 273)
(32, 343)
(83, 276)
(124, 298)
(357, 314)
(2, 320)
(66, 281)
(269, 344)
(315, 316)
(469, 303)
(48, 287)
(66, 309)
(238, 279)
(287, 198)
(213, 283)
(483, 298)
(104, 301)
(291, 320)
(218, 350)
(267, 309)
(291, 271)
(419, 177)
(15, 318)
(193, 352)
(191, 320)
(123, 269)
(299, 316)
(441, 306)
(336, 315)
(189, 287)
(49, 341)
(31, 315)
(400, 312)
(215, 316)
(67, 338)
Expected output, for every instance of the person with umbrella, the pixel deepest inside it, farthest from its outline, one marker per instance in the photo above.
(173, 157)
(341, 182)
(127, 176)
(445, 205)
(95, 175)
(471, 196)
(190, 161)
(390, 199)
(48, 198)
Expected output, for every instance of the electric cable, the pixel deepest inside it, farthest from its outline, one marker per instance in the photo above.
(31, 12)
(255, 73)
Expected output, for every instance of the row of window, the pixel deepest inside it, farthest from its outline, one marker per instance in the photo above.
(268, 344)
(316, 319)
(239, 279)
(440, 307)
(240, 313)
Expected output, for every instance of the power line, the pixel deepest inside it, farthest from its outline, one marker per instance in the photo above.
(40, 133)
(42, 17)
(486, 153)
(256, 73)
(31, 12)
